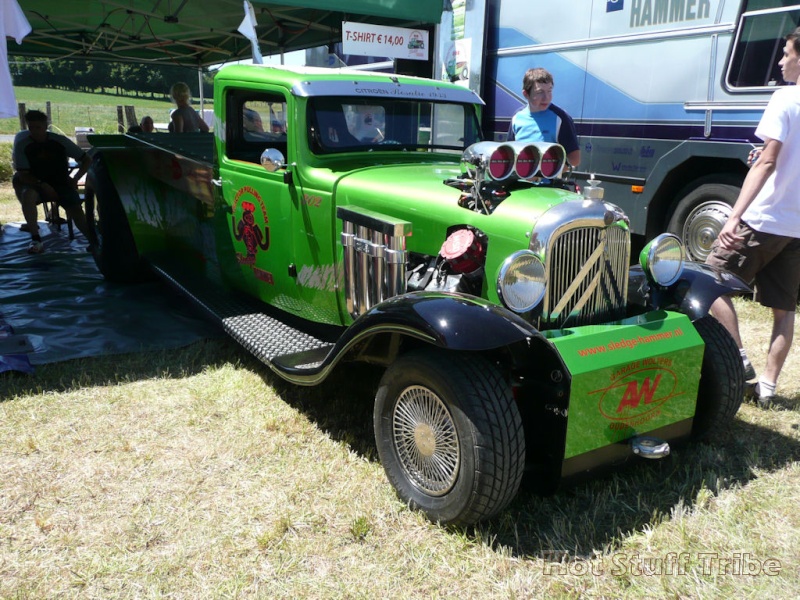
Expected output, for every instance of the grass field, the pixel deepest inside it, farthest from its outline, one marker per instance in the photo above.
(197, 474)
(75, 109)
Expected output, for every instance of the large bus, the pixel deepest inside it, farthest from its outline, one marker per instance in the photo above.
(665, 94)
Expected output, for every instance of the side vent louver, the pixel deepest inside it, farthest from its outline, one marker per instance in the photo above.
(374, 247)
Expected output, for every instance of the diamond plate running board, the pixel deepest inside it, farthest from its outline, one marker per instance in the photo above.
(288, 350)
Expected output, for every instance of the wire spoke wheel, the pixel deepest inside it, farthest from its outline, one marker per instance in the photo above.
(449, 435)
(426, 440)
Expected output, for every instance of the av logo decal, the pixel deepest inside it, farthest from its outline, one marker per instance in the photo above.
(614, 5)
(638, 394)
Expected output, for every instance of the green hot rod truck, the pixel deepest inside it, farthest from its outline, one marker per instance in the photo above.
(338, 216)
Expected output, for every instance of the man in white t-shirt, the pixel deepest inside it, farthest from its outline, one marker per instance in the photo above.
(761, 239)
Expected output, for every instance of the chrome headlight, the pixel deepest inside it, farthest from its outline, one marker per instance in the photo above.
(662, 259)
(521, 282)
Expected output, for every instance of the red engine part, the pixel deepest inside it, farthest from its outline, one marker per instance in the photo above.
(463, 251)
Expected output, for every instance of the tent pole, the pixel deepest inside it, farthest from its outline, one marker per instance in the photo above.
(200, 85)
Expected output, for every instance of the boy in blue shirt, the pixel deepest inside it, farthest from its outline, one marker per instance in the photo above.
(541, 120)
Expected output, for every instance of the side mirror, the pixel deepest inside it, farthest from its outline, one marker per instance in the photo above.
(272, 160)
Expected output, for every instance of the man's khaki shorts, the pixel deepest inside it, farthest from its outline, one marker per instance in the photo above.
(772, 261)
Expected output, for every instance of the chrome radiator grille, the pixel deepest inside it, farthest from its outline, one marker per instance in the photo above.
(587, 271)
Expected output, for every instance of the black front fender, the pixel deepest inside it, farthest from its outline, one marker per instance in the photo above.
(452, 321)
(693, 294)
(449, 321)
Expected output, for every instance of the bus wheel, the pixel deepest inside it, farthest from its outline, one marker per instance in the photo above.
(700, 215)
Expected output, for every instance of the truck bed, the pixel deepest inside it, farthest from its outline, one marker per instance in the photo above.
(181, 161)
(198, 146)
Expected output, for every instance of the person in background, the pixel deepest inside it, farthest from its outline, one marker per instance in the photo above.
(367, 129)
(761, 238)
(252, 120)
(42, 174)
(184, 118)
(145, 126)
(541, 120)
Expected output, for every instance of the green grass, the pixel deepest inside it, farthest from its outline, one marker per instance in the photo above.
(195, 473)
(6, 170)
(75, 109)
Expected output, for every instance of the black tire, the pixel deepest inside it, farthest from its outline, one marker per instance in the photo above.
(449, 435)
(721, 380)
(116, 255)
(699, 216)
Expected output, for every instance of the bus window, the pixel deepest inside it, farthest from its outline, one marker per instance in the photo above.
(758, 48)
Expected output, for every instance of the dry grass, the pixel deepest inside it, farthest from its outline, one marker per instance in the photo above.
(196, 474)
(10, 210)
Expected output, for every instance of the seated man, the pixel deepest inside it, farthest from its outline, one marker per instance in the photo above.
(254, 128)
(367, 129)
(41, 174)
(252, 121)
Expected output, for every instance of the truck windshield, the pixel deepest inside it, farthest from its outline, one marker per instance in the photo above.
(346, 124)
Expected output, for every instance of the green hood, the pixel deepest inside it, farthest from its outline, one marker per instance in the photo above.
(422, 198)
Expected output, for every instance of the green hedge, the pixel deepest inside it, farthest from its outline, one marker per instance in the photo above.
(5, 162)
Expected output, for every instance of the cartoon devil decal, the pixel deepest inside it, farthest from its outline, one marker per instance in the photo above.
(248, 230)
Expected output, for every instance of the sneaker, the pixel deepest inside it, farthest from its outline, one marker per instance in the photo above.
(36, 247)
(749, 371)
(763, 401)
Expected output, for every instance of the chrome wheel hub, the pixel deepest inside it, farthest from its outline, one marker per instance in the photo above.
(702, 227)
(426, 440)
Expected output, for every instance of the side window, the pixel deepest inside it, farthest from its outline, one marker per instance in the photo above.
(758, 48)
(255, 121)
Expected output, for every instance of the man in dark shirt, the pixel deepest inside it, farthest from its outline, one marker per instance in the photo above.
(42, 174)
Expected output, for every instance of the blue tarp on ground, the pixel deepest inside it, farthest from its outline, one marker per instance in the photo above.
(56, 306)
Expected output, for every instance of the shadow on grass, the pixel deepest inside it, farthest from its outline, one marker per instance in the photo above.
(596, 515)
(582, 518)
(579, 520)
(111, 369)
